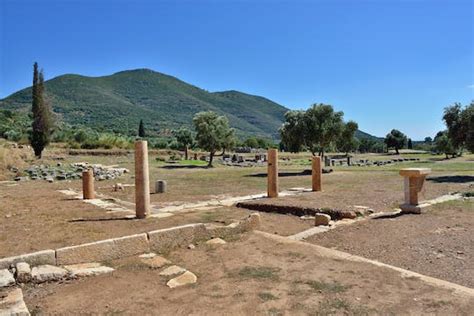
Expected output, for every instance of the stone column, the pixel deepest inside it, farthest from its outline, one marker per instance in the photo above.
(272, 176)
(414, 179)
(316, 173)
(88, 185)
(142, 180)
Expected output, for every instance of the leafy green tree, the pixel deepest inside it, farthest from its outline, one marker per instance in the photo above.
(467, 118)
(428, 140)
(347, 141)
(42, 120)
(292, 131)
(141, 129)
(185, 139)
(251, 142)
(410, 144)
(323, 126)
(443, 144)
(213, 133)
(395, 139)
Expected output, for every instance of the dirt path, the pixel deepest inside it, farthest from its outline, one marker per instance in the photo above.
(439, 243)
(252, 276)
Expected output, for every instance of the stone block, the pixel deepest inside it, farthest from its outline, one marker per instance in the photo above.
(103, 250)
(172, 270)
(23, 272)
(47, 273)
(6, 278)
(87, 269)
(321, 219)
(164, 240)
(33, 259)
(13, 304)
(184, 279)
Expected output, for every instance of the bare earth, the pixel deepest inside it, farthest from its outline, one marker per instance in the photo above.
(439, 243)
(254, 275)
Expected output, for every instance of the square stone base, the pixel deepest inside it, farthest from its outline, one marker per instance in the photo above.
(413, 209)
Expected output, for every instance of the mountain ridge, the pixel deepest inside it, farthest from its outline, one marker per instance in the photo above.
(117, 103)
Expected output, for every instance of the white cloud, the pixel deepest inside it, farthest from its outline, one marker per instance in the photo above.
(471, 86)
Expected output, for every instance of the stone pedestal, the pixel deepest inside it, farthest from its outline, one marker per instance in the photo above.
(272, 176)
(316, 173)
(142, 182)
(414, 179)
(160, 186)
(88, 185)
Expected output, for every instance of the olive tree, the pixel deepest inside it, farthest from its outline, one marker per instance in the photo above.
(395, 139)
(184, 139)
(213, 133)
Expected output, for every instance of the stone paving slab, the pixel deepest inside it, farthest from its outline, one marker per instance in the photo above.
(47, 273)
(87, 269)
(13, 304)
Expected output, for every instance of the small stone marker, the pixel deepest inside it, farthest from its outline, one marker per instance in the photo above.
(142, 182)
(88, 185)
(160, 186)
(6, 278)
(272, 177)
(321, 219)
(414, 180)
(184, 279)
(172, 271)
(23, 272)
(47, 272)
(316, 173)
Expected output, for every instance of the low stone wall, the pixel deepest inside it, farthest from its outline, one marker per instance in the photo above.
(160, 241)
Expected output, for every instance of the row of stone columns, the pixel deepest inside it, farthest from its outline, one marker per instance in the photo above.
(272, 173)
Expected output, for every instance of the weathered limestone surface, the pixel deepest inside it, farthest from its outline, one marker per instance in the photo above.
(184, 279)
(252, 222)
(172, 270)
(23, 272)
(36, 258)
(414, 180)
(142, 182)
(13, 304)
(181, 236)
(47, 272)
(103, 250)
(6, 278)
(87, 269)
(216, 241)
(321, 219)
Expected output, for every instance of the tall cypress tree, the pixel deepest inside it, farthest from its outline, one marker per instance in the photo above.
(41, 127)
(141, 129)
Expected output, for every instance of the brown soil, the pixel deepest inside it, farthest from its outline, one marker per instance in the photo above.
(252, 276)
(34, 216)
(439, 243)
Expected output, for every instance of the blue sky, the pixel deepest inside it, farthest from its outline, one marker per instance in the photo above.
(386, 64)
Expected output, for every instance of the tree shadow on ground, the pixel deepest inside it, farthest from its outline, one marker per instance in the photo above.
(102, 219)
(185, 167)
(451, 179)
(282, 174)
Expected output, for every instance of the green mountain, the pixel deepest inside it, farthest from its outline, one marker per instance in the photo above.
(118, 102)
